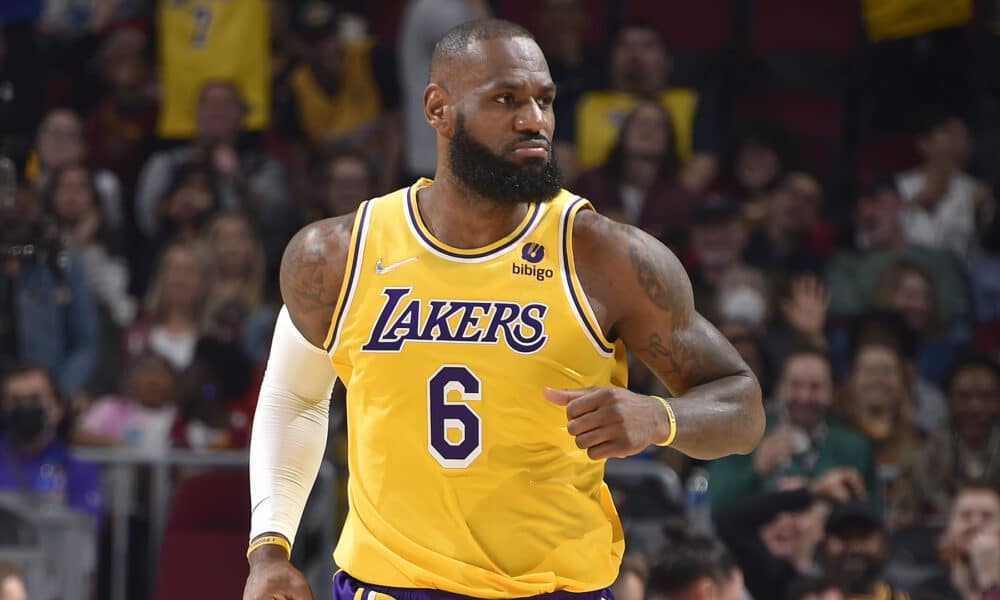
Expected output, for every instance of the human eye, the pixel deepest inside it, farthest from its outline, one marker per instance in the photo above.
(506, 99)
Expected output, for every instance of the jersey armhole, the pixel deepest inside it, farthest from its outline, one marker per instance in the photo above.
(578, 300)
(355, 255)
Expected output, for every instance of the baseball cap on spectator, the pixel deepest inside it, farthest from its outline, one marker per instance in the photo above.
(314, 19)
(853, 515)
(715, 208)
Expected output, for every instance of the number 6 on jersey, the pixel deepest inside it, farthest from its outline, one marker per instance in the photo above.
(445, 417)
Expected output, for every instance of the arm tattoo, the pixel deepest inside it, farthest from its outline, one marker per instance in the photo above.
(678, 358)
(307, 270)
(649, 280)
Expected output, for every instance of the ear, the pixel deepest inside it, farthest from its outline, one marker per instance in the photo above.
(438, 109)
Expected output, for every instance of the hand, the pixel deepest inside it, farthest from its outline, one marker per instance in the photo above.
(840, 485)
(776, 448)
(611, 422)
(272, 577)
(805, 309)
(984, 558)
(225, 160)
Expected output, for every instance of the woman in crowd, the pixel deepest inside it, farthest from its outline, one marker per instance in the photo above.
(174, 310)
(59, 143)
(236, 310)
(637, 183)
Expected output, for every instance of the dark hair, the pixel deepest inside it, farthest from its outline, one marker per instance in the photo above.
(180, 178)
(810, 584)
(104, 234)
(455, 42)
(28, 368)
(614, 165)
(966, 360)
(884, 327)
(889, 280)
(931, 117)
(225, 83)
(806, 349)
(767, 134)
(641, 24)
(686, 558)
(9, 568)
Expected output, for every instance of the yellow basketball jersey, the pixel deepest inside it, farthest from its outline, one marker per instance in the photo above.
(462, 475)
(212, 40)
(355, 105)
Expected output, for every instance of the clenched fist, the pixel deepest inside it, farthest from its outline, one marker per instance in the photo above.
(272, 577)
(611, 422)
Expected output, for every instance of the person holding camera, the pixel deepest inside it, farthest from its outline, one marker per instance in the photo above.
(47, 311)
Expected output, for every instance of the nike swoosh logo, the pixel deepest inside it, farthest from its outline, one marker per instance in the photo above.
(380, 270)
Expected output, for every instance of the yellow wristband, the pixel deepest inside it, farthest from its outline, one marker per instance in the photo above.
(672, 418)
(265, 540)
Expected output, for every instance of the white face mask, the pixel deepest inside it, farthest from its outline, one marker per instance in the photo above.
(743, 304)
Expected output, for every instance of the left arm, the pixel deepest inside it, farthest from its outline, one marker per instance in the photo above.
(646, 300)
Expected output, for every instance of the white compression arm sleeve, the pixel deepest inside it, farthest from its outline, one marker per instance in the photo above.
(289, 430)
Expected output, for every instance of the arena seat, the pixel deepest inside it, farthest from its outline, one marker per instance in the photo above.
(702, 25)
(647, 494)
(827, 26)
(816, 119)
(885, 154)
(204, 545)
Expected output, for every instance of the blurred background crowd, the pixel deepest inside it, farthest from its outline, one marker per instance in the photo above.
(826, 170)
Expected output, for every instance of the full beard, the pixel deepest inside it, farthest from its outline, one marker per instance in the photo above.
(495, 178)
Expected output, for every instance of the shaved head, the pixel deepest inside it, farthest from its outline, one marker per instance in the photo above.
(458, 43)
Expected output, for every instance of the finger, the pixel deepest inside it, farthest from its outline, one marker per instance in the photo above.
(564, 397)
(595, 438)
(856, 485)
(588, 421)
(587, 403)
(603, 451)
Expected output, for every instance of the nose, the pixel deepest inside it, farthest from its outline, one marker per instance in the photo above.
(530, 118)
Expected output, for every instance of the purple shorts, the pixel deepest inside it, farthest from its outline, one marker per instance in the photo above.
(345, 587)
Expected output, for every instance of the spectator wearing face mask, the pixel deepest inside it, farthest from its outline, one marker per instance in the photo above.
(855, 551)
(803, 436)
(36, 461)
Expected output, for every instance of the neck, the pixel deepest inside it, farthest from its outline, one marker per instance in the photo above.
(178, 319)
(640, 172)
(463, 219)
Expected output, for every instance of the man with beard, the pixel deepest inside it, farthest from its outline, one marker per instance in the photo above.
(479, 322)
(804, 439)
(855, 551)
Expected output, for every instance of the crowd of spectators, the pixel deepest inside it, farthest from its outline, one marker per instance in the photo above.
(826, 171)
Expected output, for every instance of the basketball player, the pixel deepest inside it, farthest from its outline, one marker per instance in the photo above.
(479, 322)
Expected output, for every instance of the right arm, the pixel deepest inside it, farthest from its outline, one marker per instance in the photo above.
(291, 420)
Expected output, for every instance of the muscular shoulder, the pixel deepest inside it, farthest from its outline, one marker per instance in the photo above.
(621, 264)
(312, 271)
